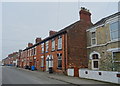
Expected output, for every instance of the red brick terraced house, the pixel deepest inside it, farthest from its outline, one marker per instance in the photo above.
(12, 59)
(61, 50)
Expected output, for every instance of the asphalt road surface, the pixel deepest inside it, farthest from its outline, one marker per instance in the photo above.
(12, 75)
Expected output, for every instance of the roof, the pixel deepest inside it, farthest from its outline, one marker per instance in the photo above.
(64, 30)
(102, 21)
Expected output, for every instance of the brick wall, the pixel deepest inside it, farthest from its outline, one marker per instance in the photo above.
(77, 51)
(53, 53)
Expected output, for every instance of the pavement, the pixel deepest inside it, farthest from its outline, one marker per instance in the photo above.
(77, 80)
(40, 77)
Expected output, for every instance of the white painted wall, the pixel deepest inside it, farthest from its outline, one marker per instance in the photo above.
(107, 76)
(70, 72)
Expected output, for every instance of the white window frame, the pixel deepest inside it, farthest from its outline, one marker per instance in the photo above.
(59, 42)
(93, 38)
(53, 44)
(59, 59)
(114, 50)
(47, 46)
(114, 30)
(42, 61)
(91, 58)
(113, 55)
(42, 48)
(93, 64)
(50, 60)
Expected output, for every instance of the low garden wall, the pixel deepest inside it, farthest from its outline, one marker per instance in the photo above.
(107, 76)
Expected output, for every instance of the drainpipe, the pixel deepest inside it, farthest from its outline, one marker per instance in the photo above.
(65, 48)
(44, 58)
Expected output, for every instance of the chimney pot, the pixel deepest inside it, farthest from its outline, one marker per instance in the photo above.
(85, 15)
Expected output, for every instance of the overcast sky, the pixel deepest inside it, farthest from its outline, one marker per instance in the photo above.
(22, 22)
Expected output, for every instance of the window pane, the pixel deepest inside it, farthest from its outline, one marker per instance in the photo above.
(114, 26)
(93, 41)
(59, 63)
(93, 34)
(47, 46)
(116, 56)
(95, 63)
(59, 43)
(119, 34)
(53, 45)
(95, 56)
(59, 60)
(59, 57)
(117, 66)
(42, 48)
(114, 35)
(42, 62)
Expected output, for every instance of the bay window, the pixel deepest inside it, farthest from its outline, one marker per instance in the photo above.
(116, 60)
(114, 30)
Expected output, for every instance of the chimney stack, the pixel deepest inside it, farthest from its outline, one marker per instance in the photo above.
(30, 44)
(51, 32)
(85, 15)
(37, 40)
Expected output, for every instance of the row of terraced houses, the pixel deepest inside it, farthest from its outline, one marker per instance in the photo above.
(82, 49)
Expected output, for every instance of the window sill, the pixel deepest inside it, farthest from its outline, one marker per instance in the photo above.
(116, 61)
(52, 50)
(93, 44)
(96, 69)
(59, 49)
(59, 68)
(115, 40)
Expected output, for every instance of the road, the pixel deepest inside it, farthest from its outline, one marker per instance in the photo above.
(12, 75)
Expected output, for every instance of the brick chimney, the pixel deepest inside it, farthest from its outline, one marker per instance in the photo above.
(85, 15)
(51, 32)
(37, 40)
(30, 44)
